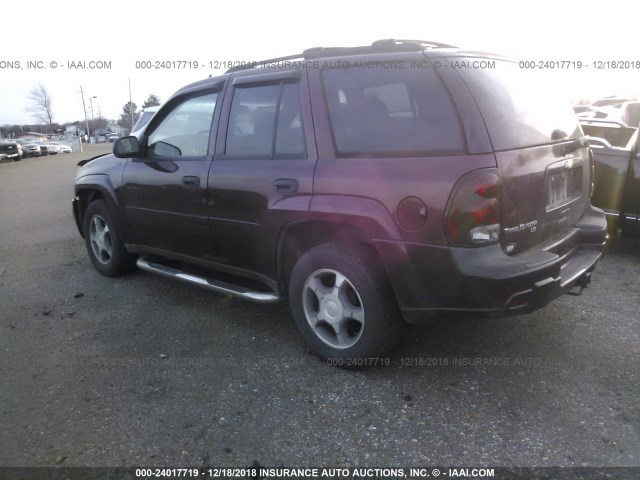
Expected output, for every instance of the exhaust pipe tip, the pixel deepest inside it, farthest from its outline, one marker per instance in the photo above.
(584, 281)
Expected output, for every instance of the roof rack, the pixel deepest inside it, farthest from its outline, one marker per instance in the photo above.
(379, 46)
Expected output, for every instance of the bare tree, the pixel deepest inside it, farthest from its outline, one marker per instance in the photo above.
(99, 123)
(40, 104)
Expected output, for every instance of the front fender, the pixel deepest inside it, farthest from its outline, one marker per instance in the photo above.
(91, 187)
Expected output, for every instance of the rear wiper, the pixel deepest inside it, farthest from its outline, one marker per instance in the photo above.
(572, 146)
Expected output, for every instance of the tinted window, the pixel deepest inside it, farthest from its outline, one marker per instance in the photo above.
(266, 120)
(391, 111)
(187, 127)
(521, 108)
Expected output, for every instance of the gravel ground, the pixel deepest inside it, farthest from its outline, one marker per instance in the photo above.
(141, 370)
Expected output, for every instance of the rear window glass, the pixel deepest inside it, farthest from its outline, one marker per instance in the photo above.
(521, 108)
(388, 111)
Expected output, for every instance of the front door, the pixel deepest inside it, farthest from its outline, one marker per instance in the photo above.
(165, 191)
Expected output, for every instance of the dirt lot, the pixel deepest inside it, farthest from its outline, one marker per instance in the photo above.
(141, 370)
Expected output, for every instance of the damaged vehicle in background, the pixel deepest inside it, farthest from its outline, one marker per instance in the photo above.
(616, 154)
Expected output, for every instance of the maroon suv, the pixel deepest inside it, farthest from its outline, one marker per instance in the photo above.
(371, 186)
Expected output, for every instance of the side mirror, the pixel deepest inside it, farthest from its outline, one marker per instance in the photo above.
(164, 149)
(127, 147)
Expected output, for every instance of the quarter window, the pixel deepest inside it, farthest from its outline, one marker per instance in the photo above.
(387, 111)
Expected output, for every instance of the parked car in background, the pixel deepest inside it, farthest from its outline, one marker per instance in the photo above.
(611, 101)
(48, 148)
(609, 108)
(101, 139)
(112, 137)
(62, 148)
(12, 149)
(615, 146)
(631, 114)
(29, 148)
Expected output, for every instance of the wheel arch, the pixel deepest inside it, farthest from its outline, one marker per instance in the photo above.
(95, 187)
(297, 238)
(362, 222)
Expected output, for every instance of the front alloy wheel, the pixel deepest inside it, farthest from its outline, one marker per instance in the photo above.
(104, 245)
(100, 238)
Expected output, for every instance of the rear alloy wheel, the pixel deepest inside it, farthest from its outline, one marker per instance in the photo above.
(106, 250)
(333, 308)
(343, 306)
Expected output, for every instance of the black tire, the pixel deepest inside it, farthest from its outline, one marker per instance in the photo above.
(104, 245)
(360, 321)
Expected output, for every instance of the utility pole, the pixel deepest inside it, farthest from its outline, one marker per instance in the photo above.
(93, 118)
(130, 106)
(86, 120)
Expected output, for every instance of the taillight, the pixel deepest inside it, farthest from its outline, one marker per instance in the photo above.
(473, 213)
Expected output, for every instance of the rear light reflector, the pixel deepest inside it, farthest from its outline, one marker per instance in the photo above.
(474, 210)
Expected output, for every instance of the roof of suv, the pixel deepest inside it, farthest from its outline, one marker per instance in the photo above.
(383, 47)
(379, 46)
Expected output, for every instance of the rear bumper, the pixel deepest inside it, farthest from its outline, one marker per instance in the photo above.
(484, 280)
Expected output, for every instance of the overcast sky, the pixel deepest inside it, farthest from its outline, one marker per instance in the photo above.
(122, 33)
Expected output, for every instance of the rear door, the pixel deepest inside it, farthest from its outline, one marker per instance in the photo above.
(538, 146)
(262, 173)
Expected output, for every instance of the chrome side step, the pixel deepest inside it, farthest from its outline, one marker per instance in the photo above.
(210, 284)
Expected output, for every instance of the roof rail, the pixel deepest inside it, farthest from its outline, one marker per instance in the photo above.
(379, 46)
(422, 43)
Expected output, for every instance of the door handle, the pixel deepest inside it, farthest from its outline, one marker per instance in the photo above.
(191, 181)
(285, 185)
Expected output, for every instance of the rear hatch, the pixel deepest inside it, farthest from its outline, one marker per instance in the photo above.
(540, 152)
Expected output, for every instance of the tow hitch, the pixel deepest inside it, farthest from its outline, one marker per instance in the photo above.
(582, 283)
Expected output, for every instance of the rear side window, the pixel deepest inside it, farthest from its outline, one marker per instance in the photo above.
(266, 121)
(521, 108)
(388, 111)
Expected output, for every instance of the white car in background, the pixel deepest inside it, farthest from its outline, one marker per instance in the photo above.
(48, 149)
(53, 148)
(62, 148)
